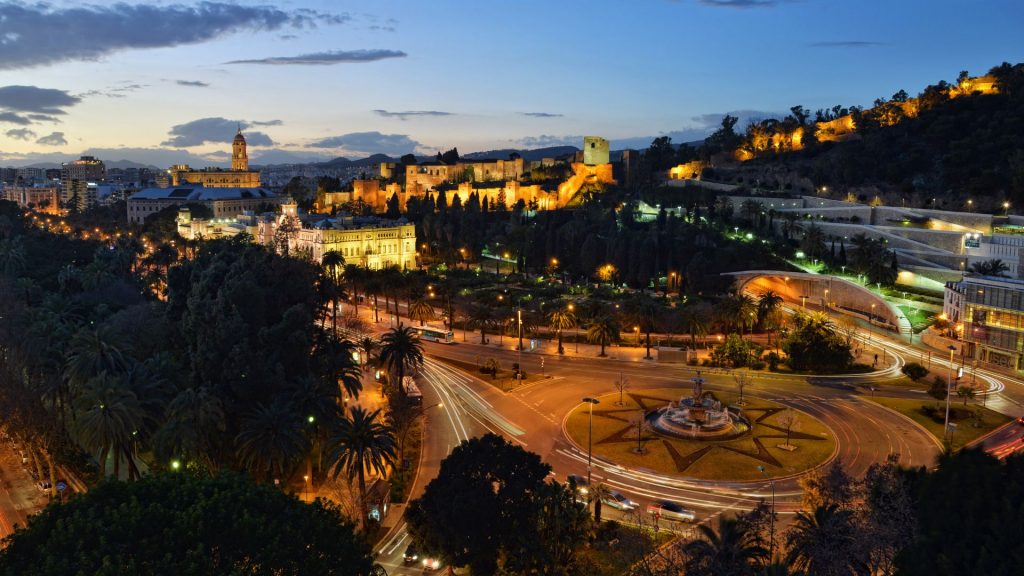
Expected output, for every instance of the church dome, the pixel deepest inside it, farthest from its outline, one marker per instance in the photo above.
(239, 138)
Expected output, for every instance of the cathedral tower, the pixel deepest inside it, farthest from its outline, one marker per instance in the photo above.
(239, 158)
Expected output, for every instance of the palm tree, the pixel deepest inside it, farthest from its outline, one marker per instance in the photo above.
(335, 364)
(421, 310)
(559, 320)
(332, 265)
(91, 353)
(400, 352)
(374, 286)
(108, 415)
(368, 346)
(824, 542)
(645, 313)
(769, 307)
(965, 392)
(790, 225)
(12, 256)
(362, 444)
(603, 330)
(271, 440)
(194, 424)
(729, 550)
(355, 275)
(993, 267)
(481, 317)
(694, 321)
(599, 493)
(813, 242)
(737, 311)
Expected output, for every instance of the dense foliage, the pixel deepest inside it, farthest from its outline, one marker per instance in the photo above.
(491, 506)
(185, 524)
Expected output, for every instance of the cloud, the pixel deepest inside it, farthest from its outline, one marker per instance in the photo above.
(405, 115)
(267, 123)
(541, 114)
(12, 118)
(547, 141)
(370, 143)
(49, 101)
(846, 44)
(44, 118)
(714, 121)
(193, 83)
(21, 134)
(118, 91)
(740, 4)
(219, 130)
(53, 139)
(327, 58)
(89, 32)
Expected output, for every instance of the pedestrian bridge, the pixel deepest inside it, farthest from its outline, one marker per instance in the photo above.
(824, 292)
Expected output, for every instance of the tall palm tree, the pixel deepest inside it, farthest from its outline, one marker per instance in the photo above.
(737, 311)
(694, 319)
(192, 429)
(824, 543)
(813, 242)
(91, 353)
(332, 265)
(481, 317)
(769, 307)
(271, 440)
(603, 330)
(421, 311)
(355, 275)
(361, 445)
(373, 286)
(334, 364)
(790, 225)
(645, 312)
(108, 415)
(729, 550)
(368, 346)
(400, 352)
(561, 319)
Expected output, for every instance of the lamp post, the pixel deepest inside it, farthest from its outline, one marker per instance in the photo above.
(771, 536)
(637, 330)
(575, 330)
(803, 301)
(949, 382)
(590, 435)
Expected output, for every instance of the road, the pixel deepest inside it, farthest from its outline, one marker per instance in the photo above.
(19, 498)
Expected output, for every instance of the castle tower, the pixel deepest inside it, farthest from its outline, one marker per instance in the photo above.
(239, 159)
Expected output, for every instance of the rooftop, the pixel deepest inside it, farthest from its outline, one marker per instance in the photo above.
(200, 194)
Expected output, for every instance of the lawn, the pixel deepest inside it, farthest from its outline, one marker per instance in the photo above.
(972, 422)
(919, 319)
(615, 439)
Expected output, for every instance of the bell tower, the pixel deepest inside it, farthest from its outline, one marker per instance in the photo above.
(239, 158)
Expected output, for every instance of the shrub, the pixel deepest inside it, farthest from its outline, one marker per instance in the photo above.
(938, 388)
(914, 371)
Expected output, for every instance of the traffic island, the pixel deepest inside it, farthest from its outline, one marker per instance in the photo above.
(635, 435)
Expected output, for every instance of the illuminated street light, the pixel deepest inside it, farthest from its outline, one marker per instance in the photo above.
(590, 436)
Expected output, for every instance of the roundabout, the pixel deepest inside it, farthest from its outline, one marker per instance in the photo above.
(701, 435)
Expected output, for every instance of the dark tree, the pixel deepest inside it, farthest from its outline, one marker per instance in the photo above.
(184, 524)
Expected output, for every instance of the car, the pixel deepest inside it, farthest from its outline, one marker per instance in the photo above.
(617, 500)
(44, 485)
(430, 564)
(671, 511)
(1020, 420)
(411, 554)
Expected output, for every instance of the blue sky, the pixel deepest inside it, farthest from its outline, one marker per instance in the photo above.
(322, 79)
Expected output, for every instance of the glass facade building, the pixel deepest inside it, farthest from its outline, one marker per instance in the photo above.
(989, 316)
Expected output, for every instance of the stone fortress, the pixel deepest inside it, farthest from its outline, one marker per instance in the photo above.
(499, 181)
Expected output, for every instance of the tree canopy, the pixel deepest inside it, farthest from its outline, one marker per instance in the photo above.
(185, 524)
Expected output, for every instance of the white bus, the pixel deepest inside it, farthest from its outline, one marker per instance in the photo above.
(435, 334)
(412, 391)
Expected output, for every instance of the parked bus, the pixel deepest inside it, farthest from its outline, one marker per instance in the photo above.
(412, 391)
(435, 334)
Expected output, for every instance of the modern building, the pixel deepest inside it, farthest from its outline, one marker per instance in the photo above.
(988, 315)
(223, 202)
(75, 178)
(42, 199)
(239, 176)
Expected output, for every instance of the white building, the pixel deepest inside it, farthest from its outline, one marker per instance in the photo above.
(223, 202)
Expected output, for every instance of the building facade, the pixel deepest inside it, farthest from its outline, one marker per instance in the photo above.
(238, 177)
(223, 202)
(988, 314)
(75, 177)
(42, 199)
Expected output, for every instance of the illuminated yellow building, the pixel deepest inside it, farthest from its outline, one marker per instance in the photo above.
(238, 177)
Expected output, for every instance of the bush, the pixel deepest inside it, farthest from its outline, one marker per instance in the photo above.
(938, 388)
(692, 362)
(914, 371)
(757, 365)
(773, 361)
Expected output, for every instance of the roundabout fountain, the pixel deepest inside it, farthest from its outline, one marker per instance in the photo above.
(699, 416)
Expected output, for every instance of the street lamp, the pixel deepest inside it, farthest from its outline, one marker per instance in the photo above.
(949, 382)
(1006, 208)
(771, 537)
(305, 479)
(575, 330)
(637, 330)
(590, 435)
(803, 301)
